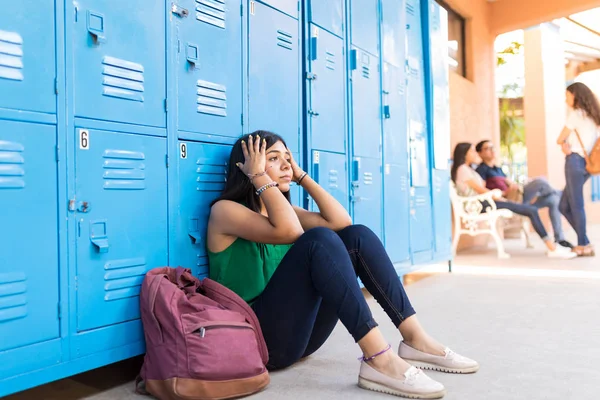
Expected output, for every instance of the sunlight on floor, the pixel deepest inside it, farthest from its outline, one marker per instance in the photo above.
(459, 269)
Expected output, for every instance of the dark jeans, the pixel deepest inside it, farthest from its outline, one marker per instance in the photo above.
(315, 285)
(547, 196)
(572, 203)
(529, 211)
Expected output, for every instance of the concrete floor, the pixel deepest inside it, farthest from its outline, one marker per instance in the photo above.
(531, 322)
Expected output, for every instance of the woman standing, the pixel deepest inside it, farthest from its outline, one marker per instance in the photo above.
(583, 119)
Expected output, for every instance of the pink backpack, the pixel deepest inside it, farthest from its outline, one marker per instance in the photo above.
(203, 341)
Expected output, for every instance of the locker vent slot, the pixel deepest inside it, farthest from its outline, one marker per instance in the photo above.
(122, 79)
(284, 40)
(403, 183)
(333, 179)
(368, 178)
(211, 176)
(12, 171)
(13, 296)
(123, 278)
(401, 89)
(420, 201)
(124, 170)
(11, 56)
(366, 72)
(212, 98)
(212, 12)
(410, 9)
(330, 61)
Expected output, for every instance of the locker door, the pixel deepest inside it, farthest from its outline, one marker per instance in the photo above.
(366, 108)
(119, 61)
(202, 175)
(27, 56)
(393, 31)
(290, 7)
(329, 170)
(274, 74)
(442, 213)
(441, 95)
(420, 196)
(364, 19)
(327, 94)
(328, 15)
(396, 171)
(121, 211)
(209, 84)
(366, 193)
(28, 235)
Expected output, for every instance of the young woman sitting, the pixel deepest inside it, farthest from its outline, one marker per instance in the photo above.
(469, 183)
(298, 271)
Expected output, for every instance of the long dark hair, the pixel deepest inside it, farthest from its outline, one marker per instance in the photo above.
(584, 99)
(459, 158)
(238, 187)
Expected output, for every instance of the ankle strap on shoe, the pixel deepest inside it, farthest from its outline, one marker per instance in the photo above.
(365, 359)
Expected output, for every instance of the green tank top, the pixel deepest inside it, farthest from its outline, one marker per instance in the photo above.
(246, 267)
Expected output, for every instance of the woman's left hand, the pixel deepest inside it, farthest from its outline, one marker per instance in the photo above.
(566, 148)
(297, 172)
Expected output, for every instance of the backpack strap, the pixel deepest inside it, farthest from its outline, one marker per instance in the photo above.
(232, 301)
(585, 154)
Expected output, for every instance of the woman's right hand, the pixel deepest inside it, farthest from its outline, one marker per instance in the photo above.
(255, 158)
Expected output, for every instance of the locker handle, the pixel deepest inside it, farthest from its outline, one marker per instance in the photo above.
(196, 237)
(191, 52)
(98, 235)
(95, 26)
(313, 113)
(386, 112)
(313, 48)
(355, 168)
(353, 59)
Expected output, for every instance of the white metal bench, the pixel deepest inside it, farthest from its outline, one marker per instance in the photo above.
(470, 218)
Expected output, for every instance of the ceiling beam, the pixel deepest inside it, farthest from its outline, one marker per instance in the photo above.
(510, 15)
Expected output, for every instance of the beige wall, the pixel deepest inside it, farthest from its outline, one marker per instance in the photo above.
(473, 102)
(510, 15)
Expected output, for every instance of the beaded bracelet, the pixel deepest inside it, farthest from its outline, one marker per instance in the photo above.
(260, 190)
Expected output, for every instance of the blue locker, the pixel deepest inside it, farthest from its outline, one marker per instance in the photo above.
(121, 213)
(328, 15)
(393, 32)
(209, 80)
(396, 169)
(442, 213)
(119, 61)
(290, 7)
(438, 29)
(326, 111)
(27, 56)
(295, 190)
(329, 170)
(420, 193)
(29, 235)
(366, 104)
(202, 174)
(364, 20)
(274, 89)
(366, 193)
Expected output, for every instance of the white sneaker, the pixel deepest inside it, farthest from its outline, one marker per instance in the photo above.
(449, 362)
(415, 385)
(561, 253)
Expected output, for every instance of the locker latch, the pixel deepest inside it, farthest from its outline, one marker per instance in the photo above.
(313, 113)
(180, 11)
(83, 206)
(311, 76)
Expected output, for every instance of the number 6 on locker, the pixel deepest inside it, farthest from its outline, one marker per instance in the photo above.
(84, 139)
